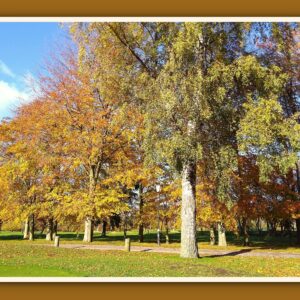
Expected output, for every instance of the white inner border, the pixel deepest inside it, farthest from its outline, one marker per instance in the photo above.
(149, 19)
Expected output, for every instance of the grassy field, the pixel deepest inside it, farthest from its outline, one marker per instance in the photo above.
(261, 242)
(25, 258)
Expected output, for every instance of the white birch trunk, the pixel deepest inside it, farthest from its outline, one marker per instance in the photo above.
(221, 235)
(26, 230)
(49, 233)
(212, 236)
(31, 228)
(88, 230)
(189, 248)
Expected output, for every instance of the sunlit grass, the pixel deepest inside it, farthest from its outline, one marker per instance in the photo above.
(22, 258)
(258, 243)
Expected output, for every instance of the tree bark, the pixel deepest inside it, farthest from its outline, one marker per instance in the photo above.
(104, 226)
(88, 232)
(212, 235)
(298, 189)
(26, 230)
(221, 235)
(31, 227)
(49, 233)
(54, 233)
(141, 233)
(245, 232)
(89, 224)
(167, 233)
(125, 227)
(141, 205)
(298, 231)
(189, 247)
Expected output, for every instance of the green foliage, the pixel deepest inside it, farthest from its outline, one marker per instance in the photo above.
(268, 134)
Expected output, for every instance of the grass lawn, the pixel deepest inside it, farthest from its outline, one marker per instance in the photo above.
(258, 242)
(25, 258)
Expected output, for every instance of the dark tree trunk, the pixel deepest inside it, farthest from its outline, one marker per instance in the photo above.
(298, 189)
(141, 233)
(298, 231)
(55, 226)
(104, 226)
(258, 227)
(141, 206)
(245, 232)
(125, 227)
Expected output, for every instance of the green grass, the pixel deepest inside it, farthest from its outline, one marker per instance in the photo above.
(27, 259)
(261, 242)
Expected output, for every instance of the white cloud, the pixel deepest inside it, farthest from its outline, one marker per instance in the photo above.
(4, 69)
(11, 97)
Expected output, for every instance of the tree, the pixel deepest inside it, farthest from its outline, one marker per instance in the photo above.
(198, 76)
(281, 48)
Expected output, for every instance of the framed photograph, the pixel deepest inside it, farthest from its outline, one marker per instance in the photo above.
(149, 148)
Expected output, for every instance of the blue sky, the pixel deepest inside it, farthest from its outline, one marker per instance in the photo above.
(24, 47)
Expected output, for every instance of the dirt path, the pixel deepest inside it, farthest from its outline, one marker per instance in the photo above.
(203, 252)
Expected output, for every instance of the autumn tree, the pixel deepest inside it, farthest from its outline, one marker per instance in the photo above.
(280, 47)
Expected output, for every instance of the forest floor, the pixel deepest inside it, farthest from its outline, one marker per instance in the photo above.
(267, 257)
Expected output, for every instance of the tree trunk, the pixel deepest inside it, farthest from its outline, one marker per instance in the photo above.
(26, 230)
(167, 233)
(245, 232)
(298, 231)
(88, 223)
(104, 226)
(54, 232)
(221, 235)
(298, 189)
(49, 233)
(88, 231)
(141, 205)
(125, 227)
(189, 247)
(212, 235)
(141, 233)
(31, 227)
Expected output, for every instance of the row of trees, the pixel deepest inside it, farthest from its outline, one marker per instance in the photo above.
(129, 110)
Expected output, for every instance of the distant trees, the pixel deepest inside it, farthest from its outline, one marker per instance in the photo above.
(139, 105)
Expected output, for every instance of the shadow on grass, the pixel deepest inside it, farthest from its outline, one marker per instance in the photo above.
(11, 237)
(234, 253)
(257, 240)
